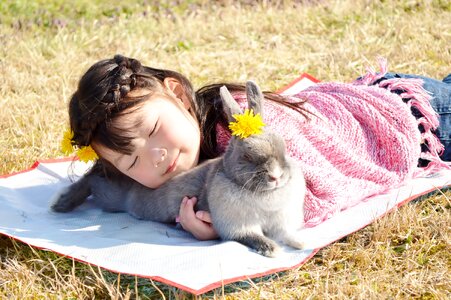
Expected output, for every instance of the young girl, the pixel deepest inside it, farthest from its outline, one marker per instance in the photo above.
(352, 140)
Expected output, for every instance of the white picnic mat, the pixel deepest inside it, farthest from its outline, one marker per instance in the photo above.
(165, 253)
(120, 243)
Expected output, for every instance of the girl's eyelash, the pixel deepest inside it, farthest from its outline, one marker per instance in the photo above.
(133, 164)
(136, 158)
(155, 127)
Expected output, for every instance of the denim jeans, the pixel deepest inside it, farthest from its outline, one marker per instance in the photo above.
(441, 102)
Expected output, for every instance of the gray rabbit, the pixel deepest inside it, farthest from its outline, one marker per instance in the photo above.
(254, 192)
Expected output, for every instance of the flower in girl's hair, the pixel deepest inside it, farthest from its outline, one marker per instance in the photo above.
(246, 124)
(86, 154)
(66, 144)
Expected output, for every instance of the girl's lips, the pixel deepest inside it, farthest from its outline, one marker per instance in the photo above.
(172, 166)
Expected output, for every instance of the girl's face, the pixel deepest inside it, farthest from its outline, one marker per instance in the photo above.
(167, 143)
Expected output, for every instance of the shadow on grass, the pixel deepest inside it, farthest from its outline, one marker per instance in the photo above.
(150, 289)
(442, 191)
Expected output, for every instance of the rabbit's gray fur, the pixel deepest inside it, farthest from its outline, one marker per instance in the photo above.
(254, 192)
(126, 195)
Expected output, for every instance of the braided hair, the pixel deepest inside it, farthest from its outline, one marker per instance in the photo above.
(103, 94)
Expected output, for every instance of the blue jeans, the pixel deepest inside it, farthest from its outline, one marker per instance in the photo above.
(441, 102)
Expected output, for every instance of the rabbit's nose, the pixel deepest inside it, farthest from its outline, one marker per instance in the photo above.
(273, 178)
(275, 173)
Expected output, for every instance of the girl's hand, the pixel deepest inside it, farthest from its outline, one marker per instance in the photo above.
(199, 223)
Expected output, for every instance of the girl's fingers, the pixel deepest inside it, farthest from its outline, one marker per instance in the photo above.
(186, 212)
(204, 216)
(201, 215)
(200, 229)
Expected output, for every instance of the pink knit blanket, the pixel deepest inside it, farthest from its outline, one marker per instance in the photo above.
(359, 141)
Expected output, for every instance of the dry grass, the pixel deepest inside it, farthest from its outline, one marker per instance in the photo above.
(403, 255)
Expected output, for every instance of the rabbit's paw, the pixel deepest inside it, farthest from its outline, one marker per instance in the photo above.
(293, 240)
(295, 243)
(64, 200)
(268, 249)
(261, 244)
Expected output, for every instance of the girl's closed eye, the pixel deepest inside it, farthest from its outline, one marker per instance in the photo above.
(152, 131)
(133, 163)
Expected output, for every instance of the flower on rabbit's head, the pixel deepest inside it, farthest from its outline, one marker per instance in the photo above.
(85, 153)
(246, 124)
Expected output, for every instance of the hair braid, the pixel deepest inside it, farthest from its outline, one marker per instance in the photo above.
(102, 94)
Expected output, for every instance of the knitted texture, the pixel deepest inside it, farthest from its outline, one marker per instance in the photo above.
(360, 141)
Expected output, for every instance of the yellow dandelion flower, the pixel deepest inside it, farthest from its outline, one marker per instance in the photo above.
(86, 154)
(66, 143)
(246, 124)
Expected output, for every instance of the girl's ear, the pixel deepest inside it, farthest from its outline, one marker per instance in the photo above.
(176, 88)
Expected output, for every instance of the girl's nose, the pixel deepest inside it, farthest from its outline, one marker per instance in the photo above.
(158, 155)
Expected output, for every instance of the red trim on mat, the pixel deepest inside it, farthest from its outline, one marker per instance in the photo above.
(225, 281)
(240, 278)
(169, 282)
(36, 164)
(303, 75)
(158, 278)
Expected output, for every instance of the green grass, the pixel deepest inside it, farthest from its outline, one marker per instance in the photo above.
(47, 45)
(45, 15)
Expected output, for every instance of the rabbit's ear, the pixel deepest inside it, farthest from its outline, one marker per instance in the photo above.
(254, 96)
(229, 104)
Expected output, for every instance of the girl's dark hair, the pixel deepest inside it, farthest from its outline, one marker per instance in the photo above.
(103, 95)
(210, 113)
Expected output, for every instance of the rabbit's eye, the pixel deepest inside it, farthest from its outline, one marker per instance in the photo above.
(247, 157)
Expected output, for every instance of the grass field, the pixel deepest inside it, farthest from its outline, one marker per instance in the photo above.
(47, 45)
